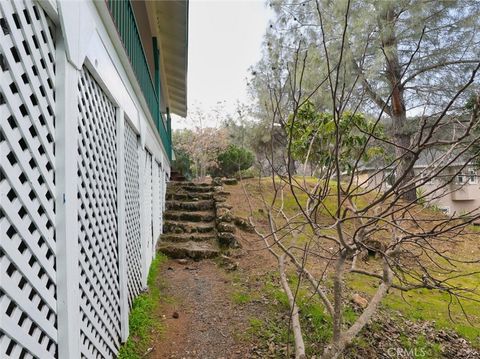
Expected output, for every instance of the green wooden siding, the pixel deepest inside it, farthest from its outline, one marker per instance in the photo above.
(124, 18)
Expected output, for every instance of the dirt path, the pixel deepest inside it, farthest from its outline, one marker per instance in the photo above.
(209, 324)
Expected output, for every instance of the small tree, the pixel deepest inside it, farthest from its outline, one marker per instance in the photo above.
(313, 137)
(372, 53)
(233, 160)
(183, 163)
(202, 145)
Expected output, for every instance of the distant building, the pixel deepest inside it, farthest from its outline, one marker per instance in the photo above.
(86, 92)
(461, 189)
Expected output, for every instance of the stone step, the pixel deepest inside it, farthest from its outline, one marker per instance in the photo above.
(196, 188)
(176, 176)
(185, 237)
(198, 216)
(185, 196)
(190, 249)
(188, 183)
(188, 227)
(190, 205)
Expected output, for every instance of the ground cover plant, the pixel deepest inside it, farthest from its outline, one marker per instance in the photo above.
(144, 323)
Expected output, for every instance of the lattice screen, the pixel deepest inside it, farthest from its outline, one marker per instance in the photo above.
(132, 214)
(163, 188)
(148, 204)
(156, 201)
(161, 200)
(98, 245)
(27, 183)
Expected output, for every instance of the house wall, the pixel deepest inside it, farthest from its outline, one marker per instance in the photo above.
(452, 199)
(455, 198)
(83, 174)
(370, 179)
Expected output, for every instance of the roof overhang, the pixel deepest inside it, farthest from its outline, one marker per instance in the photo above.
(170, 19)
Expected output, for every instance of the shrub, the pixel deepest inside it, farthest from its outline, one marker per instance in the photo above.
(182, 163)
(234, 159)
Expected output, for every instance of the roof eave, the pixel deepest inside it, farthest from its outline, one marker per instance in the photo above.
(172, 28)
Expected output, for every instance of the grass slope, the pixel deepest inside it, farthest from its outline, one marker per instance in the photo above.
(414, 305)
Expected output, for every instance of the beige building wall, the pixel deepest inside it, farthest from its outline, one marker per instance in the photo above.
(456, 198)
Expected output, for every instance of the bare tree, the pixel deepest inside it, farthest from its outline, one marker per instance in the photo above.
(203, 143)
(411, 244)
(404, 56)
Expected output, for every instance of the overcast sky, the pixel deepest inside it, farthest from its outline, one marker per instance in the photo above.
(225, 38)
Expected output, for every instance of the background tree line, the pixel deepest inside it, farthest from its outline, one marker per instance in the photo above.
(223, 150)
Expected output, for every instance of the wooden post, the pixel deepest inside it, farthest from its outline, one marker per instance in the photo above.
(68, 275)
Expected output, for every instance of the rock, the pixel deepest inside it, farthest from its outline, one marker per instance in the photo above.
(226, 227)
(185, 237)
(224, 205)
(226, 239)
(221, 211)
(189, 216)
(243, 224)
(197, 188)
(190, 249)
(230, 181)
(177, 230)
(224, 215)
(182, 261)
(227, 217)
(185, 196)
(198, 205)
(187, 227)
(359, 300)
(219, 198)
(228, 263)
(149, 350)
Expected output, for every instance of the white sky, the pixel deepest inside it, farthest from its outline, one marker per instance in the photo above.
(225, 38)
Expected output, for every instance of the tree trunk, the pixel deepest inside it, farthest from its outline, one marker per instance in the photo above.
(296, 328)
(292, 169)
(401, 135)
(338, 298)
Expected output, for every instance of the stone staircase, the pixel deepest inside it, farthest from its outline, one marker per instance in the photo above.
(189, 221)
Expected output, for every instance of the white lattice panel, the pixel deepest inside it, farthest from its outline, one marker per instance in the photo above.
(27, 213)
(161, 199)
(148, 203)
(97, 216)
(156, 201)
(132, 214)
(163, 189)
